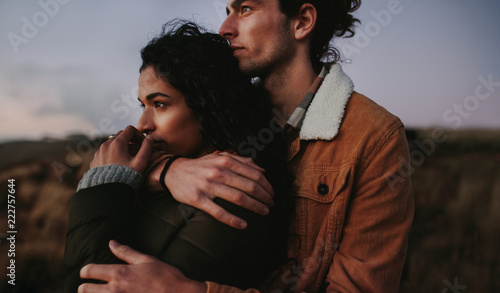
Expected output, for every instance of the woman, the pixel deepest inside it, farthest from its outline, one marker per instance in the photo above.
(195, 102)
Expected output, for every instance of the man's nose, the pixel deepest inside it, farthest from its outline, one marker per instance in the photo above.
(228, 28)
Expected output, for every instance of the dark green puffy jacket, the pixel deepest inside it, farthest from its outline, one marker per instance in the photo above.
(200, 246)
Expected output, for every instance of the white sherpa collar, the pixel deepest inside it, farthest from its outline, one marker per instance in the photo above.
(325, 113)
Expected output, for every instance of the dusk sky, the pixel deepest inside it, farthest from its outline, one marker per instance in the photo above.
(71, 67)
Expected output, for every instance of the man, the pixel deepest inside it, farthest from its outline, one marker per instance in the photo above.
(353, 208)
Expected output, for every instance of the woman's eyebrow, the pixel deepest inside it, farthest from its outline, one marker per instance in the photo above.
(154, 95)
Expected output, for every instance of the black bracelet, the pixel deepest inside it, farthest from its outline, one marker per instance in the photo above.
(164, 171)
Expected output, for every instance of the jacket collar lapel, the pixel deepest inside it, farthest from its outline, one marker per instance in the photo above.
(324, 115)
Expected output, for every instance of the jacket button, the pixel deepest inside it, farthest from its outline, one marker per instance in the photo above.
(323, 189)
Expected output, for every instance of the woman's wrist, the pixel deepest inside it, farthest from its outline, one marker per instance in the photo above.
(163, 173)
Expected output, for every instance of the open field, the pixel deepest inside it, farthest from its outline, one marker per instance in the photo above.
(454, 243)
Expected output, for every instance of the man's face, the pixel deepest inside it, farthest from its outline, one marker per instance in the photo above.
(260, 35)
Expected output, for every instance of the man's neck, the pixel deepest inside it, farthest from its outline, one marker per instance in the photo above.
(288, 85)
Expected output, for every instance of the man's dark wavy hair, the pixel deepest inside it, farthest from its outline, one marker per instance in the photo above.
(334, 19)
(230, 109)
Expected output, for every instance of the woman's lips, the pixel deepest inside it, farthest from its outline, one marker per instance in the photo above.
(158, 144)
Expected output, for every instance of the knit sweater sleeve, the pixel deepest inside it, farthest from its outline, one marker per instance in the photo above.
(110, 174)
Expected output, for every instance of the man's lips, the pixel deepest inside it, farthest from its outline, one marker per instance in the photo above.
(236, 49)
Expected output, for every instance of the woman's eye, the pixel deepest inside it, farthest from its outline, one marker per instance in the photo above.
(159, 104)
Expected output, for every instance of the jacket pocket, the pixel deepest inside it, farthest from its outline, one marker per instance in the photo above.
(321, 184)
(320, 208)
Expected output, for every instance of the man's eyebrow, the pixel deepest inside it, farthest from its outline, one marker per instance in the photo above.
(237, 3)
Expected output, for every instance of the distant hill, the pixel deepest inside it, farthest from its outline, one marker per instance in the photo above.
(455, 233)
(20, 152)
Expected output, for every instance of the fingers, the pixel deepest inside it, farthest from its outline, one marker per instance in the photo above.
(131, 134)
(245, 160)
(250, 172)
(145, 151)
(128, 254)
(99, 272)
(220, 213)
(238, 197)
(248, 180)
(141, 159)
(90, 288)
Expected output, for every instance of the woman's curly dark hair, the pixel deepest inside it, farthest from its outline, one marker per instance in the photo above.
(334, 19)
(232, 112)
(201, 66)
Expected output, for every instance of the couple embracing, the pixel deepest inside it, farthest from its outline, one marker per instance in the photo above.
(281, 185)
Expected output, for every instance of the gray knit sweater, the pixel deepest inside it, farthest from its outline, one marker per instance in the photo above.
(110, 174)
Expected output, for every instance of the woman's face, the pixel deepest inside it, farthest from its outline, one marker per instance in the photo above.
(166, 119)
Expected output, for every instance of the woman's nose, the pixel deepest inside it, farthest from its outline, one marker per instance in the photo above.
(145, 123)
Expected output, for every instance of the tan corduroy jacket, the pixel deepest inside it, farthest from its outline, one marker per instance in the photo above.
(355, 202)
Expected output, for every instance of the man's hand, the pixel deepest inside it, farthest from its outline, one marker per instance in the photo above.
(197, 182)
(143, 273)
(130, 148)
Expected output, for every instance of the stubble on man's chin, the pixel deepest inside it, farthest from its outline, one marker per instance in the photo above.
(271, 72)
(252, 69)
(261, 70)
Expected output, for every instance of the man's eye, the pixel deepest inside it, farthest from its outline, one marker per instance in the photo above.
(245, 9)
(143, 106)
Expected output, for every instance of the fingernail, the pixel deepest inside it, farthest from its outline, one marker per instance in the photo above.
(265, 211)
(243, 225)
(113, 243)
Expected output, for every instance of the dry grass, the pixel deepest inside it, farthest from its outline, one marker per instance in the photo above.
(456, 231)
(42, 199)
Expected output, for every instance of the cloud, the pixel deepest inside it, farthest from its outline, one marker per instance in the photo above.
(39, 101)
(20, 120)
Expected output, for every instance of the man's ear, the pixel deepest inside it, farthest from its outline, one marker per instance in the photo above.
(305, 21)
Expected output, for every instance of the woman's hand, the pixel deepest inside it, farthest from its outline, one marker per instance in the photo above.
(123, 150)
